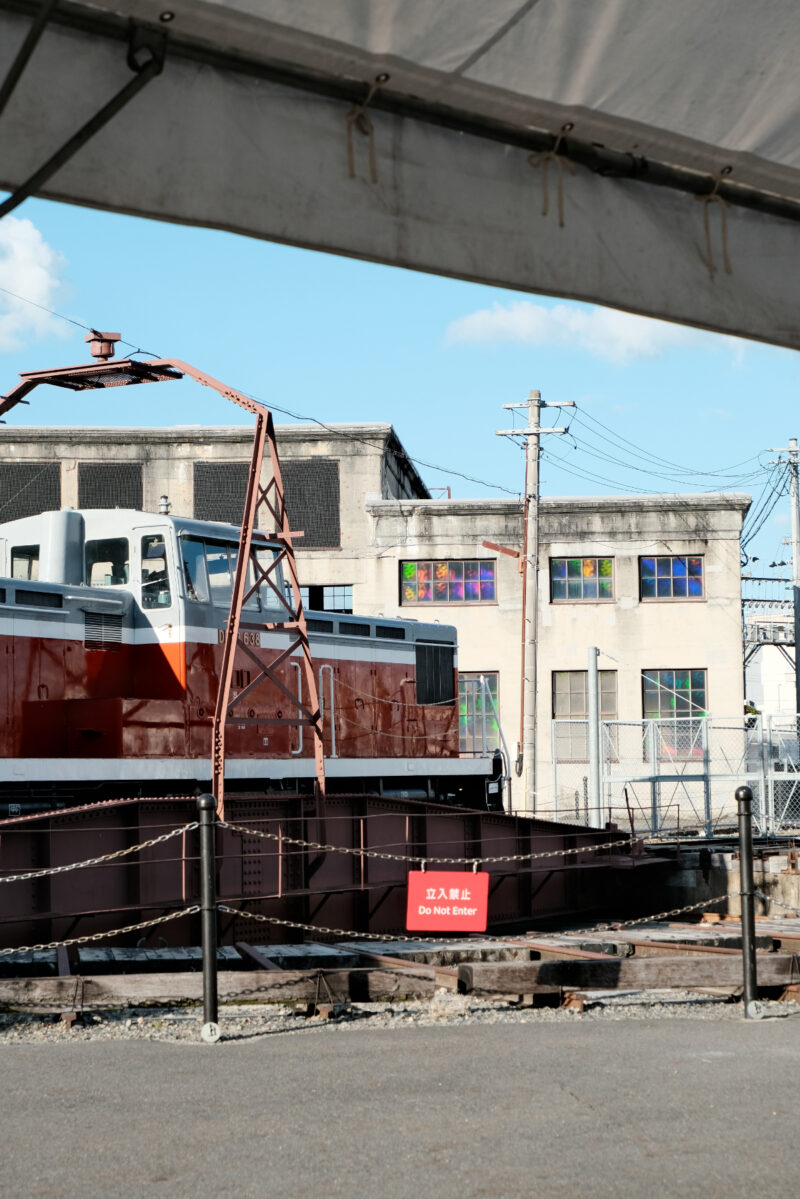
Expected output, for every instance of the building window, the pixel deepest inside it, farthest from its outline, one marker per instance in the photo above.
(672, 577)
(677, 700)
(311, 488)
(110, 485)
(28, 488)
(673, 694)
(479, 732)
(454, 582)
(581, 579)
(571, 704)
(335, 598)
(219, 491)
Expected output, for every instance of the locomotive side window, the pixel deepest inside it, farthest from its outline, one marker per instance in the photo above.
(108, 562)
(435, 674)
(219, 573)
(155, 579)
(209, 568)
(25, 562)
(194, 569)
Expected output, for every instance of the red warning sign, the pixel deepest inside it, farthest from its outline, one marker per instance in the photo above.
(447, 901)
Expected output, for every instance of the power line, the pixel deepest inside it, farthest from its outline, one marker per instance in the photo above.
(70, 320)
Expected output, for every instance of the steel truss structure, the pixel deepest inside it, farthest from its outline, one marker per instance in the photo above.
(267, 497)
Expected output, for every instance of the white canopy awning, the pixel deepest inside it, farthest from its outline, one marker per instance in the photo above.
(494, 120)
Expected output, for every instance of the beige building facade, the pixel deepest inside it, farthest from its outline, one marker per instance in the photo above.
(652, 581)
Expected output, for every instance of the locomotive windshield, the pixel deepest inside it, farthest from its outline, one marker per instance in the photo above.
(209, 567)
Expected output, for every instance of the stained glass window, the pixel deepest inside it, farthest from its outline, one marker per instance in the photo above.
(671, 577)
(673, 694)
(472, 581)
(478, 729)
(581, 579)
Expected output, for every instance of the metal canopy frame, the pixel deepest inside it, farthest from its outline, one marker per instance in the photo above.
(145, 57)
(601, 159)
(271, 499)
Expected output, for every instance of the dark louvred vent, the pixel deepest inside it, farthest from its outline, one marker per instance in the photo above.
(102, 630)
(351, 629)
(38, 599)
(393, 632)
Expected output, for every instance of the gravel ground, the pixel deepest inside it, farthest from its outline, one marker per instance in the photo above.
(251, 1021)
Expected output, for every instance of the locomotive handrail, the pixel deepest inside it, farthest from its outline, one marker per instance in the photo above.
(322, 669)
(299, 749)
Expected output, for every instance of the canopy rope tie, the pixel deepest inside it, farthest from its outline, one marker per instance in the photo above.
(543, 161)
(714, 198)
(359, 118)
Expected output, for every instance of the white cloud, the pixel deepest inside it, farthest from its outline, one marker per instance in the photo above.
(28, 267)
(616, 336)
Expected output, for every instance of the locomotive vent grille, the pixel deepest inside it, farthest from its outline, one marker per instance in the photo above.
(102, 630)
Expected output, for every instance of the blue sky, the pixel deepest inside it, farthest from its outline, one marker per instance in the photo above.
(340, 340)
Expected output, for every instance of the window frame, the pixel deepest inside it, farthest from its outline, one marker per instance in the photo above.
(435, 601)
(583, 599)
(574, 731)
(25, 554)
(687, 730)
(672, 598)
(92, 541)
(328, 593)
(470, 744)
(660, 686)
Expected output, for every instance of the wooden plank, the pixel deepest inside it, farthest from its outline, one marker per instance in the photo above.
(700, 970)
(278, 986)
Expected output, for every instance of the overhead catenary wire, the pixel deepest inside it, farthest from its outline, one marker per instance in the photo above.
(71, 320)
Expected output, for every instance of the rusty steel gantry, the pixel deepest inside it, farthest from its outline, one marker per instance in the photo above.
(104, 373)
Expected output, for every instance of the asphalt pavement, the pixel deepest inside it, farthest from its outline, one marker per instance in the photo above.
(571, 1109)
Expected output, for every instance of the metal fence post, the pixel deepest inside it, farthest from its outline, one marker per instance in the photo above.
(709, 827)
(207, 809)
(744, 800)
(655, 792)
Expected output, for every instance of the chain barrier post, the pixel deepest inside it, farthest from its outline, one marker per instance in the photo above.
(207, 809)
(744, 801)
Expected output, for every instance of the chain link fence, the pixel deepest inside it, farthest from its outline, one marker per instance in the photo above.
(668, 776)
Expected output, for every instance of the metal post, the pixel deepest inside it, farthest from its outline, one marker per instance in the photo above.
(207, 808)
(655, 794)
(593, 714)
(534, 404)
(744, 800)
(795, 498)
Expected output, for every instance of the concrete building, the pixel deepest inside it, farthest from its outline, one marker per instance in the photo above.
(652, 581)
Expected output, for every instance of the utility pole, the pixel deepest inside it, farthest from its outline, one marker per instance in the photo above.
(794, 493)
(534, 431)
(795, 498)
